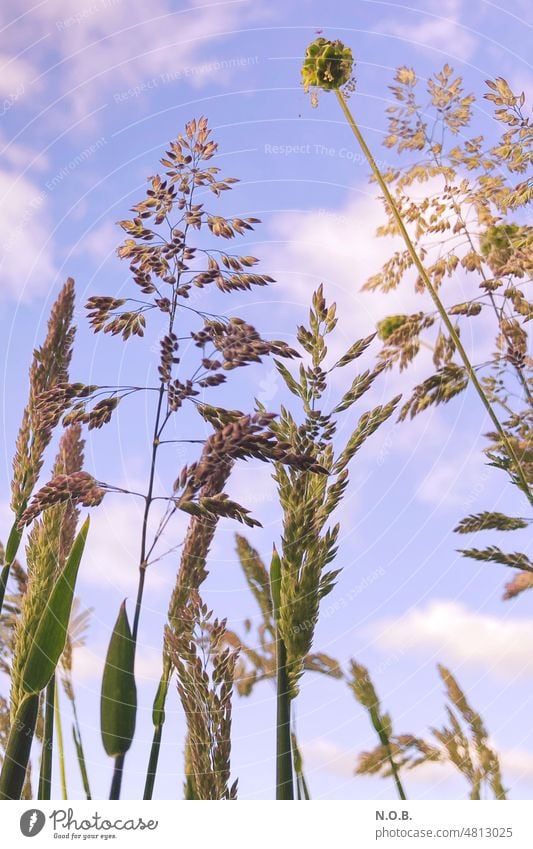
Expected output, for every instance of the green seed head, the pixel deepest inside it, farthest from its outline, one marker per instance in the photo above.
(327, 65)
(499, 238)
(387, 326)
(500, 243)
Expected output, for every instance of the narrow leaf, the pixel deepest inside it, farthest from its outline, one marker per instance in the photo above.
(275, 583)
(51, 634)
(18, 749)
(118, 705)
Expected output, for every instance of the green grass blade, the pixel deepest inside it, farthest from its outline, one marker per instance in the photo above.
(12, 547)
(80, 753)
(61, 748)
(158, 718)
(118, 704)
(275, 583)
(45, 775)
(51, 634)
(301, 783)
(18, 749)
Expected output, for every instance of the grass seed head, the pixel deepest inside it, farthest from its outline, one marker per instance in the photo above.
(327, 65)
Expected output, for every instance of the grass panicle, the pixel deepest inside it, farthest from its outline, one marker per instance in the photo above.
(205, 672)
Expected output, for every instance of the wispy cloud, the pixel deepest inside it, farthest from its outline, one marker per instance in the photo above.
(26, 251)
(439, 28)
(112, 553)
(108, 46)
(450, 632)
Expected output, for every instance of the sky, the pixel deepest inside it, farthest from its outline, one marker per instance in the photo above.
(90, 95)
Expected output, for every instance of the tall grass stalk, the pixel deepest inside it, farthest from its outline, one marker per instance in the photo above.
(118, 772)
(328, 65)
(48, 371)
(170, 269)
(60, 746)
(76, 637)
(302, 790)
(284, 760)
(45, 775)
(365, 693)
(524, 485)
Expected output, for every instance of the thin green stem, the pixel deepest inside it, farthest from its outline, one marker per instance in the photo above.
(81, 763)
(4, 577)
(148, 503)
(524, 485)
(118, 772)
(385, 742)
(284, 776)
(60, 747)
(158, 719)
(302, 790)
(152, 763)
(45, 775)
(78, 743)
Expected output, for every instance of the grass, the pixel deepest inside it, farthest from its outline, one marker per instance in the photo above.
(310, 445)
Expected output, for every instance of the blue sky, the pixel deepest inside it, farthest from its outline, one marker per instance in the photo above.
(89, 97)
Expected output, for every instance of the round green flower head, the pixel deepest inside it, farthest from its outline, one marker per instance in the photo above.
(327, 65)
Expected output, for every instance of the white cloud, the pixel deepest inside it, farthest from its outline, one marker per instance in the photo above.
(340, 249)
(251, 484)
(450, 632)
(112, 553)
(101, 242)
(111, 45)
(21, 157)
(88, 663)
(15, 76)
(516, 762)
(324, 755)
(26, 255)
(440, 29)
(457, 482)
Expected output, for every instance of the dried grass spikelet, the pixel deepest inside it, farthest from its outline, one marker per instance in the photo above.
(74, 488)
(49, 543)
(474, 757)
(205, 672)
(4, 726)
(11, 612)
(49, 369)
(200, 532)
(362, 686)
(243, 437)
(519, 584)
(389, 751)
(469, 752)
(75, 638)
(257, 577)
